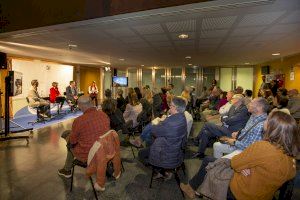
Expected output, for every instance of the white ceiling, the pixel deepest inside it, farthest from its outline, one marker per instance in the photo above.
(222, 32)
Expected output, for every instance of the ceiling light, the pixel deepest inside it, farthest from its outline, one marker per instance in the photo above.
(276, 54)
(183, 36)
(190, 64)
(246, 63)
(107, 69)
(72, 45)
(188, 57)
(122, 59)
(142, 65)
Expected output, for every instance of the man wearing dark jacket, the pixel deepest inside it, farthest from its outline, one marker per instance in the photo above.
(235, 120)
(166, 152)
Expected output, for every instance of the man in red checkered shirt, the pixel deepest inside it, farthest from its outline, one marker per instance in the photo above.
(86, 129)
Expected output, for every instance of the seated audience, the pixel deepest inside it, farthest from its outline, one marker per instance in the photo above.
(222, 111)
(282, 105)
(248, 97)
(86, 129)
(239, 90)
(146, 135)
(55, 96)
(138, 93)
(212, 101)
(93, 92)
(166, 152)
(145, 116)
(157, 103)
(163, 95)
(117, 121)
(133, 109)
(235, 120)
(252, 132)
(72, 94)
(121, 102)
(36, 101)
(130, 92)
(203, 96)
(263, 167)
(268, 95)
(294, 103)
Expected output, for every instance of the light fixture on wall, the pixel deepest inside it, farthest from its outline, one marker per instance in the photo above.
(276, 54)
(72, 46)
(247, 63)
(107, 69)
(190, 64)
(121, 59)
(142, 65)
(183, 36)
(188, 57)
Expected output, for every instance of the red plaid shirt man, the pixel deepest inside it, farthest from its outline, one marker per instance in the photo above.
(86, 129)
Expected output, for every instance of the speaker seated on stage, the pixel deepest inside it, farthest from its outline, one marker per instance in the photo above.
(72, 94)
(35, 101)
(55, 96)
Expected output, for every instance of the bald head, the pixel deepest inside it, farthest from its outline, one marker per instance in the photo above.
(84, 103)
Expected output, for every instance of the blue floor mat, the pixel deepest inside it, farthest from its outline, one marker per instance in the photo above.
(23, 116)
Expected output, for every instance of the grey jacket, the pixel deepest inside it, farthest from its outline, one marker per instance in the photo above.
(217, 180)
(69, 94)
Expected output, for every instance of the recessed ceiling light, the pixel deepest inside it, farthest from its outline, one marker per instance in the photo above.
(183, 36)
(188, 57)
(276, 54)
(122, 59)
(190, 64)
(247, 63)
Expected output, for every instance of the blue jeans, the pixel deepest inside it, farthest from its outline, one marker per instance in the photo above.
(147, 134)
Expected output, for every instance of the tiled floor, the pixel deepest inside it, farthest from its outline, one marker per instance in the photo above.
(30, 172)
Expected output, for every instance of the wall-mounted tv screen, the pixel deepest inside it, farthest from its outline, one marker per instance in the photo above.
(119, 81)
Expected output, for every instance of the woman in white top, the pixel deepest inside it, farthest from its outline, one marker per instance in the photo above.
(93, 91)
(133, 109)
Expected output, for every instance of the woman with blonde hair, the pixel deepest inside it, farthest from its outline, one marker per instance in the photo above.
(133, 109)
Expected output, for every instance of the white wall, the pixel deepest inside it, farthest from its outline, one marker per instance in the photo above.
(244, 78)
(45, 73)
(226, 79)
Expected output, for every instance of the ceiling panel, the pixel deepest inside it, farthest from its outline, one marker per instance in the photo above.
(293, 17)
(181, 26)
(213, 33)
(129, 40)
(162, 44)
(156, 38)
(120, 32)
(218, 22)
(185, 43)
(208, 41)
(268, 37)
(247, 31)
(260, 19)
(283, 28)
(149, 29)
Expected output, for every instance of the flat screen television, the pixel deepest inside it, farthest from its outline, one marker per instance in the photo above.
(119, 81)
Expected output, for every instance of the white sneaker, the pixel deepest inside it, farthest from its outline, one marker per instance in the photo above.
(98, 188)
